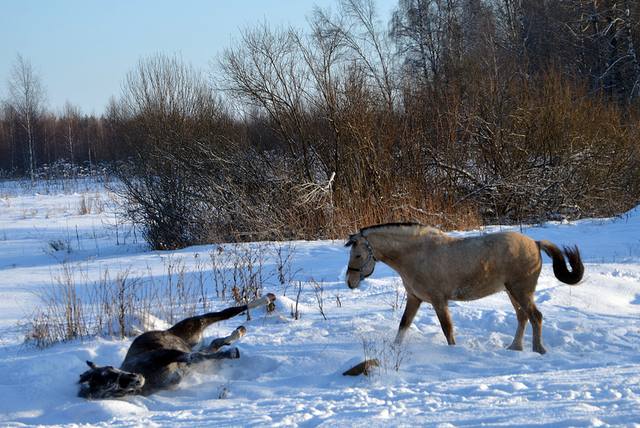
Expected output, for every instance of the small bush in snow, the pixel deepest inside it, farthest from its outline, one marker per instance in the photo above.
(126, 303)
(387, 352)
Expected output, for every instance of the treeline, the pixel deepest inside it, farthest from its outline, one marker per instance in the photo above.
(33, 140)
(455, 113)
(74, 141)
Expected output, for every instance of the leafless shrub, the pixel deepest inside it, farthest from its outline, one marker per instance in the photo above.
(200, 267)
(387, 352)
(318, 292)
(284, 253)
(167, 115)
(398, 298)
(295, 312)
(240, 271)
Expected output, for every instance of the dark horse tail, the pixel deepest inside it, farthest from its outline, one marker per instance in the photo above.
(559, 266)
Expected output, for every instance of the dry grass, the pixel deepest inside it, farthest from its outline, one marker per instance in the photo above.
(125, 303)
(390, 355)
(91, 204)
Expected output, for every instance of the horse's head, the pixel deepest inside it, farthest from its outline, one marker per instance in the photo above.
(361, 260)
(108, 382)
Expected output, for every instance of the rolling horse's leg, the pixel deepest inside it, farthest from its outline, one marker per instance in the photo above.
(413, 304)
(442, 311)
(196, 357)
(516, 345)
(190, 329)
(216, 344)
(164, 357)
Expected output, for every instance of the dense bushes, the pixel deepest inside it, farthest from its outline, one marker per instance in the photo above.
(334, 130)
(466, 112)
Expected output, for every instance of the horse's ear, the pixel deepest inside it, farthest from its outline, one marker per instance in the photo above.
(350, 240)
(84, 377)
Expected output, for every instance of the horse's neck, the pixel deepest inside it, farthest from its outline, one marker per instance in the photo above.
(388, 247)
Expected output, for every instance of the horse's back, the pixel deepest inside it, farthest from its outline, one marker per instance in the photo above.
(478, 266)
(507, 252)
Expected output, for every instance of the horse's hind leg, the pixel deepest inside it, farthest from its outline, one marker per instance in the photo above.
(525, 300)
(535, 316)
(190, 329)
(442, 310)
(516, 345)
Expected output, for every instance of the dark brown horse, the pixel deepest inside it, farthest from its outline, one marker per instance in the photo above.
(159, 359)
(437, 268)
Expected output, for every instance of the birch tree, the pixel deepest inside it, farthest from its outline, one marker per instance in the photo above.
(27, 97)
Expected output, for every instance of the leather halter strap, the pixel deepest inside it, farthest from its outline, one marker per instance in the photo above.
(370, 258)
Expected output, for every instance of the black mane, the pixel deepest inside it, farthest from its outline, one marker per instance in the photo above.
(393, 224)
(351, 239)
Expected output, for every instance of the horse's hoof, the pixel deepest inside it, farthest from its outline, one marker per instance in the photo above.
(235, 353)
(540, 350)
(239, 332)
(515, 347)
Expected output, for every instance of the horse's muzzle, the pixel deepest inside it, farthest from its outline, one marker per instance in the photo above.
(353, 283)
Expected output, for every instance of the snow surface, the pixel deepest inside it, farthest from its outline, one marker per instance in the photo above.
(289, 373)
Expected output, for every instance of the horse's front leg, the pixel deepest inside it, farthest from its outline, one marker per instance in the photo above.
(197, 357)
(442, 310)
(413, 304)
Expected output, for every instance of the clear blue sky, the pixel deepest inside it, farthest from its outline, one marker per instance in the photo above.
(82, 49)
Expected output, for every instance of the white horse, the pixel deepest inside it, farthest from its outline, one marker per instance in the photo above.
(436, 268)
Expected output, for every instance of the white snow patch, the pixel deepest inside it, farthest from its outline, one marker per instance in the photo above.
(289, 373)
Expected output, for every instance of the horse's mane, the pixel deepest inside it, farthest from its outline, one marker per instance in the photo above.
(406, 229)
(410, 229)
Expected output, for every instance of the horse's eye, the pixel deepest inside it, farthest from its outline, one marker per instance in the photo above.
(358, 256)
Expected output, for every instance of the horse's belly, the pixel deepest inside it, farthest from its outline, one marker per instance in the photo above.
(477, 291)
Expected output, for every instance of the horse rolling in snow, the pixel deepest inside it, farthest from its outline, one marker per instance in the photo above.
(437, 268)
(159, 359)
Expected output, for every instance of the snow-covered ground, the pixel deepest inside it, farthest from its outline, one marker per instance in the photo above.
(289, 373)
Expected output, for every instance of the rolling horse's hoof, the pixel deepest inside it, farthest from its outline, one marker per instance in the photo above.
(238, 333)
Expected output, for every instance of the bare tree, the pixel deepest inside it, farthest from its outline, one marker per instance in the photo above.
(27, 97)
(266, 71)
(427, 34)
(369, 47)
(71, 118)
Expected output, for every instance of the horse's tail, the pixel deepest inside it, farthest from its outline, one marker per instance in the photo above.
(559, 266)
